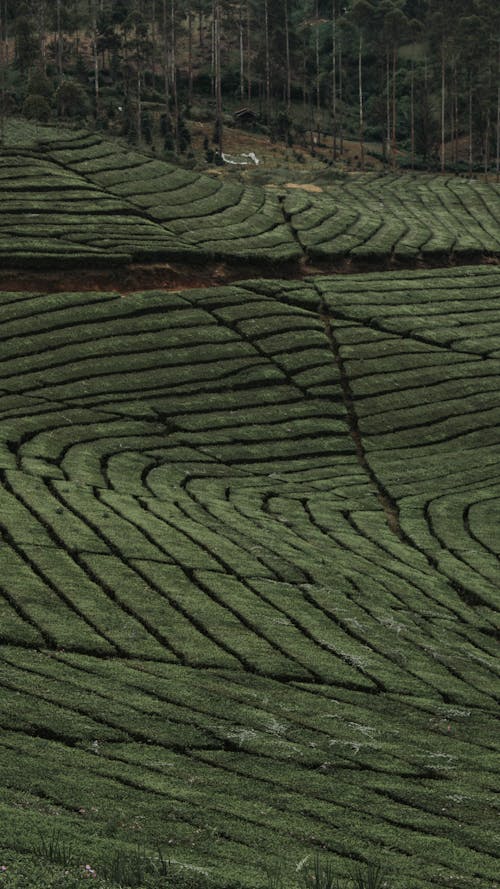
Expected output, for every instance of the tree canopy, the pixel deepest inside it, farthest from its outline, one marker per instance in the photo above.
(417, 75)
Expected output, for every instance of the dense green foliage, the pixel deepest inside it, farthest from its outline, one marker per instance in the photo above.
(419, 77)
(249, 568)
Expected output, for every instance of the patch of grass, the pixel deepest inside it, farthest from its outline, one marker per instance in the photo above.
(55, 847)
(319, 874)
(54, 864)
(25, 873)
(370, 877)
(140, 868)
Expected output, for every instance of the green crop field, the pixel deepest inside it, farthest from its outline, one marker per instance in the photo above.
(368, 217)
(249, 554)
(68, 197)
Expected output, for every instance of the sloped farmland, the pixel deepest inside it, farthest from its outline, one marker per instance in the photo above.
(80, 197)
(402, 217)
(249, 574)
(77, 199)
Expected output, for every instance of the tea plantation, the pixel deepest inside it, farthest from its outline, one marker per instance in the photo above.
(249, 548)
(69, 197)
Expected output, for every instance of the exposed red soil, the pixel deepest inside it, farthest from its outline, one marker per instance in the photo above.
(184, 276)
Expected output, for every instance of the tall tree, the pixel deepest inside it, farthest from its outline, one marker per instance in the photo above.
(441, 19)
(334, 79)
(288, 92)
(249, 49)
(59, 39)
(394, 27)
(165, 60)
(190, 50)
(218, 74)
(267, 60)
(95, 53)
(3, 66)
(361, 15)
(173, 70)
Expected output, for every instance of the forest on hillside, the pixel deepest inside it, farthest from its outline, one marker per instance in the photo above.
(416, 81)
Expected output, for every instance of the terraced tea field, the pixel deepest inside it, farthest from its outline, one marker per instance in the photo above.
(403, 217)
(70, 198)
(249, 565)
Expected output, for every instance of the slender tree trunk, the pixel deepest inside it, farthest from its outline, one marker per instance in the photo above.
(165, 59)
(412, 116)
(3, 66)
(213, 64)
(387, 149)
(249, 53)
(487, 136)
(470, 130)
(96, 56)
(426, 99)
(487, 144)
(443, 110)
(218, 73)
(139, 101)
(394, 105)
(361, 111)
(173, 72)
(288, 66)
(268, 61)
(59, 40)
(341, 98)
(41, 19)
(318, 84)
(190, 52)
(497, 164)
(312, 146)
(242, 50)
(304, 72)
(455, 113)
(153, 42)
(334, 81)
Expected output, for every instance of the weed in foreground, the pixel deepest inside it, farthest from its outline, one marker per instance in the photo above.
(54, 847)
(275, 879)
(319, 875)
(371, 878)
(131, 868)
(139, 868)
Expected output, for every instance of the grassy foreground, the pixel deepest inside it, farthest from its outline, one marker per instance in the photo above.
(249, 575)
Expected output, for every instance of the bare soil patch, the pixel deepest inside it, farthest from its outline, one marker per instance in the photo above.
(187, 276)
(304, 187)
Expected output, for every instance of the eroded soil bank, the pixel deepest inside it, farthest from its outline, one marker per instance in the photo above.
(189, 275)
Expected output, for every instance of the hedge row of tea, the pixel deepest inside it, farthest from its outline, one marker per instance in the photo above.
(404, 217)
(79, 198)
(247, 571)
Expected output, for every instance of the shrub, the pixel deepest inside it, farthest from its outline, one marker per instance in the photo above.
(71, 100)
(39, 84)
(36, 107)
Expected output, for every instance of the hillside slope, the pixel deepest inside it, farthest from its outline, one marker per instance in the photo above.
(75, 198)
(249, 570)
